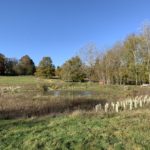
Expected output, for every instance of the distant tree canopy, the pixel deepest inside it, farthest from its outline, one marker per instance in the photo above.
(58, 71)
(46, 69)
(25, 66)
(126, 62)
(10, 66)
(2, 64)
(72, 70)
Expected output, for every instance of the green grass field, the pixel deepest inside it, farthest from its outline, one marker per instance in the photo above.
(78, 131)
(17, 80)
(69, 130)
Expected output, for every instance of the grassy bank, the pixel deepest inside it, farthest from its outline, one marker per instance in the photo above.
(78, 131)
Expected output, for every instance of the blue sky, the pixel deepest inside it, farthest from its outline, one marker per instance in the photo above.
(59, 28)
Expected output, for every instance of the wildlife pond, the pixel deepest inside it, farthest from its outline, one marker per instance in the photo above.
(73, 93)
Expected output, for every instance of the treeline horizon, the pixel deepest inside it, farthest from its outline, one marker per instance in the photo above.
(127, 62)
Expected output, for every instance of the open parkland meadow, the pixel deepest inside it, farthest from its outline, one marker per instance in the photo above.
(33, 116)
(74, 74)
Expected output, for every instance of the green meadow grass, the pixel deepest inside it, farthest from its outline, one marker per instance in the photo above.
(17, 80)
(78, 131)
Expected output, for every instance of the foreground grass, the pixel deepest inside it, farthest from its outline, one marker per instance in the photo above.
(79, 131)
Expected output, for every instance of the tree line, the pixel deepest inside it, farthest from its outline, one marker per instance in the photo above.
(12, 66)
(26, 66)
(127, 62)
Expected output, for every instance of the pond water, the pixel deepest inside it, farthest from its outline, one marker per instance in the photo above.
(72, 93)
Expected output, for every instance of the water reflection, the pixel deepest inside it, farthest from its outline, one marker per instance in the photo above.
(57, 93)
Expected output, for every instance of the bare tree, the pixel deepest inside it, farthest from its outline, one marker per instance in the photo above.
(89, 54)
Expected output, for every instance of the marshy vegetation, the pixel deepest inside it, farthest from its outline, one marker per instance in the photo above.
(52, 114)
(39, 97)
